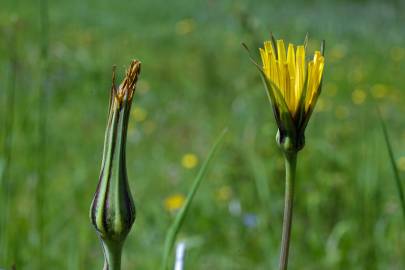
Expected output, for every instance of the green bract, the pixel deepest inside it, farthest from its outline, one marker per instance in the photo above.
(112, 210)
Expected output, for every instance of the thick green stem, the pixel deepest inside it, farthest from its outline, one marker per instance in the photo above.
(290, 166)
(112, 254)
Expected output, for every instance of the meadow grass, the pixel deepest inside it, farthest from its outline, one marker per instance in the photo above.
(174, 229)
(196, 79)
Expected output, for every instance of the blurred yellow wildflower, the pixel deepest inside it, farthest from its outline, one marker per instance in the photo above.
(358, 96)
(379, 90)
(174, 202)
(189, 161)
(139, 114)
(224, 193)
(397, 54)
(185, 26)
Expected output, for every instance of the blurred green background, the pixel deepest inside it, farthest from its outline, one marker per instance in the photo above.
(196, 80)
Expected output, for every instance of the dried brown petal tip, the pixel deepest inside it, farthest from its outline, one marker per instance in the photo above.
(127, 87)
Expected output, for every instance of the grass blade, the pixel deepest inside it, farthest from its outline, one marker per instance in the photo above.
(393, 164)
(6, 156)
(179, 219)
(42, 125)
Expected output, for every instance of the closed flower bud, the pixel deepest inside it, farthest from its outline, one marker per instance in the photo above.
(112, 210)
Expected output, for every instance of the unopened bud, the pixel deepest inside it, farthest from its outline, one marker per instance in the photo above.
(112, 210)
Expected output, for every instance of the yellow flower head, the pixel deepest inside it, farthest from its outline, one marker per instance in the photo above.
(174, 202)
(289, 72)
(293, 85)
(189, 160)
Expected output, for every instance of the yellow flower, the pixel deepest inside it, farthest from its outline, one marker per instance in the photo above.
(293, 85)
(379, 90)
(397, 54)
(174, 202)
(289, 72)
(189, 161)
(139, 114)
(358, 96)
(224, 193)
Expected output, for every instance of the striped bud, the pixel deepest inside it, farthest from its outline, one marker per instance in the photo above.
(112, 210)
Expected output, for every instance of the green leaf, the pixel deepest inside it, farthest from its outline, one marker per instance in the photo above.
(398, 181)
(180, 217)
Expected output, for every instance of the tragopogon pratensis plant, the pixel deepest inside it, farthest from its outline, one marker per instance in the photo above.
(112, 211)
(293, 85)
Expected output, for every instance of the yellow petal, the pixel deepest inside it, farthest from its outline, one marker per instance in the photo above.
(275, 72)
(299, 71)
(264, 57)
(281, 55)
(291, 58)
(268, 47)
(314, 78)
(281, 60)
(310, 83)
(289, 95)
(265, 61)
(291, 76)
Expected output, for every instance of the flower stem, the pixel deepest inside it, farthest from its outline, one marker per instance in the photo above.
(112, 254)
(290, 166)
